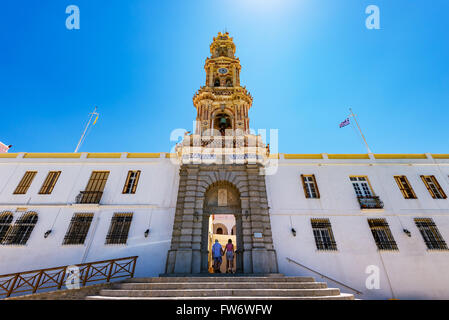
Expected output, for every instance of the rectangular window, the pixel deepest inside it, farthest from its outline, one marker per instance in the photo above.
(361, 186)
(405, 187)
(131, 182)
(78, 228)
(25, 183)
(50, 182)
(20, 231)
(95, 187)
(430, 234)
(382, 234)
(434, 187)
(118, 231)
(310, 186)
(322, 231)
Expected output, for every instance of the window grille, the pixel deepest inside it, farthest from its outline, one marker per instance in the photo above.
(310, 186)
(405, 187)
(382, 234)
(433, 187)
(25, 183)
(5, 223)
(19, 232)
(119, 228)
(430, 234)
(78, 228)
(322, 231)
(50, 182)
(131, 182)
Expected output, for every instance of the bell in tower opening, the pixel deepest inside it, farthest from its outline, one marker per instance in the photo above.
(222, 122)
(222, 104)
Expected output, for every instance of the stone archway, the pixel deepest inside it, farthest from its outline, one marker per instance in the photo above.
(221, 197)
(188, 252)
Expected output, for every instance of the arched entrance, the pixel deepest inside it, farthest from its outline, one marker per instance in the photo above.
(236, 189)
(221, 198)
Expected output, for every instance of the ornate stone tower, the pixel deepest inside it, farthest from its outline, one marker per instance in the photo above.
(222, 104)
(222, 172)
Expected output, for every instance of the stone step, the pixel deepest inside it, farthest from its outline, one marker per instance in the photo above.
(342, 296)
(190, 275)
(221, 285)
(221, 292)
(220, 279)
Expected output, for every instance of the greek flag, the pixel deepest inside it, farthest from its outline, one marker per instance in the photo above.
(344, 123)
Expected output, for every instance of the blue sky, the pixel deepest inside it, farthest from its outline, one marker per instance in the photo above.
(305, 63)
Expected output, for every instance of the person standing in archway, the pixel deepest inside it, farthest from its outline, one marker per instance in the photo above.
(229, 257)
(217, 253)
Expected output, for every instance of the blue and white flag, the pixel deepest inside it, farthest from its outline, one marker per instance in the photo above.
(344, 123)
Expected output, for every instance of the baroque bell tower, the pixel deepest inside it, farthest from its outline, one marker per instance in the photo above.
(222, 103)
(222, 171)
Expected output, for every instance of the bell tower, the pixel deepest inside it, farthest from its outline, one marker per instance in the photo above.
(222, 103)
(222, 157)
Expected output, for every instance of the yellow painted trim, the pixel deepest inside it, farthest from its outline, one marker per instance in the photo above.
(274, 156)
(51, 155)
(8, 155)
(440, 156)
(144, 155)
(348, 156)
(401, 156)
(104, 155)
(170, 155)
(303, 156)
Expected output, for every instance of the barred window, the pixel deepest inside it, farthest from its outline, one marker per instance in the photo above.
(433, 187)
(405, 187)
(430, 234)
(118, 231)
(25, 183)
(382, 234)
(19, 232)
(50, 182)
(310, 186)
(131, 182)
(322, 231)
(5, 223)
(78, 228)
(361, 186)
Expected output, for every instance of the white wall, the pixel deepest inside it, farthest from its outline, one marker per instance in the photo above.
(153, 207)
(414, 272)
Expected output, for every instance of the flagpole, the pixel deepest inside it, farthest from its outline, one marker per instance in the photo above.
(361, 133)
(80, 142)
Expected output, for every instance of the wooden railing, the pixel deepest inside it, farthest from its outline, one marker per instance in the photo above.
(323, 276)
(32, 281)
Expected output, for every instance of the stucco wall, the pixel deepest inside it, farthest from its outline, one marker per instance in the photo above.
(413, 271)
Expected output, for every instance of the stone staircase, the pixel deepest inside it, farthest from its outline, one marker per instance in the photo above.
(222, 287)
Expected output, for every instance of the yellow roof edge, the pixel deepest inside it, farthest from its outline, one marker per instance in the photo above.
(440, 156)
(112, 155)
(8, 155)
(116, 155)
(143, 155)
(348, 156)
(400, 156)
(51, 155)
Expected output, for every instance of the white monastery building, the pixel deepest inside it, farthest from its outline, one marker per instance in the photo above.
(375, 222)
